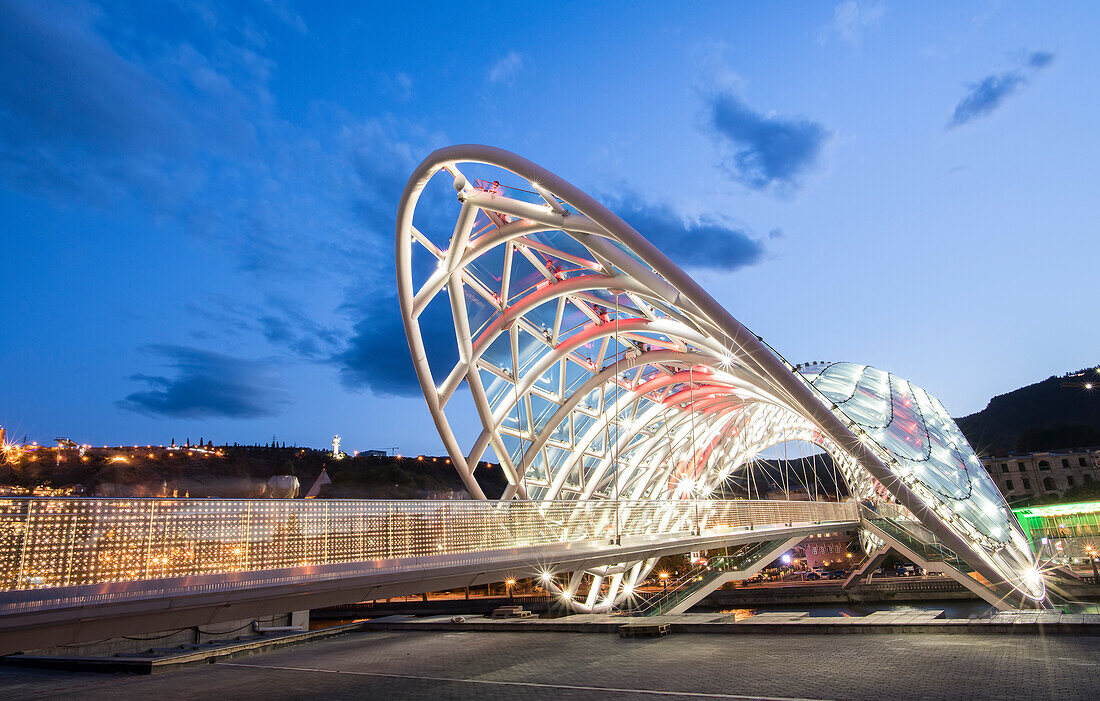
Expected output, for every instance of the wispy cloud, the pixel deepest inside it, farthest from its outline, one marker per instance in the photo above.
(764, 152)
(206, 384)
(283, 10)
(186, 135)
(989, 93)
(400, 85)
(850, 21)
(187, 132)
(280, 321)
(506, 68)
(192, 138)
(63, 85)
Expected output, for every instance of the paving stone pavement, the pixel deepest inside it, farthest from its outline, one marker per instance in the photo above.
(565, 666)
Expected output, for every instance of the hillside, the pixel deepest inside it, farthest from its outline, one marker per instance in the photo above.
(1059, 412)
(233, 472)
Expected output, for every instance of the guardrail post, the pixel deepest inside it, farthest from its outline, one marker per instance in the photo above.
(389, 531)
(26, 544)
(246, 546)
(69, 544)
(149, 540)
(324, 531)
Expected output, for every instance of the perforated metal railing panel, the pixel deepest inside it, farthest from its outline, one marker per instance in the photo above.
(71, 541)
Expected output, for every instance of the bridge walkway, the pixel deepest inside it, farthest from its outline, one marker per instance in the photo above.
(74, 570)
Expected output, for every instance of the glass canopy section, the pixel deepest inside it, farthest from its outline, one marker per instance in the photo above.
(920, 443)
(598, 369)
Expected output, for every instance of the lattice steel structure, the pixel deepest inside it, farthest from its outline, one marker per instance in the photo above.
(600, 370)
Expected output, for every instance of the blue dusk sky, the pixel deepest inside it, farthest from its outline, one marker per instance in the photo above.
(198, 198)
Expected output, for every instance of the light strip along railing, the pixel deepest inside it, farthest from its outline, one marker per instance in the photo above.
(73, 541)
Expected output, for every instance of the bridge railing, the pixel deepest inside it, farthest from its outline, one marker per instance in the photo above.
(55, 542)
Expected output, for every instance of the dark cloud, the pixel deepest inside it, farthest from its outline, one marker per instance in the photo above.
(377, 356)
(162, 125)
(300, 335)
(1040, 59)
(708, 242)
(984, 97)
(764, 152)
(207, 384)
(990, 92)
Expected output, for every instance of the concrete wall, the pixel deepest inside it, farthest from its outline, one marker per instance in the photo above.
(137, 644)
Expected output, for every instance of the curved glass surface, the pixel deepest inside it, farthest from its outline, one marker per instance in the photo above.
(922, 445)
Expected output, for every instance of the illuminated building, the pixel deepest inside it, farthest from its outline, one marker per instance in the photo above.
(1063, 533)
(598, 369)
(830, 550)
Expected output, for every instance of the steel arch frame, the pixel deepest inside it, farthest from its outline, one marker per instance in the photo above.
(685, 359)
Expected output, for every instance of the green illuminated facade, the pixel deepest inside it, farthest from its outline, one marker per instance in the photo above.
(1062, 533)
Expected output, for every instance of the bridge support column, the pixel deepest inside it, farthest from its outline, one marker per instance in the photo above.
(863, 573)
(701, 592)
(300, 619)
(1001, 601)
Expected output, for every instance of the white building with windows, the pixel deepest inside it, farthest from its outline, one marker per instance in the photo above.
(1022, 476)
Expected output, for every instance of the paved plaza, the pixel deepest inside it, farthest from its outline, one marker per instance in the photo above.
(502, 665)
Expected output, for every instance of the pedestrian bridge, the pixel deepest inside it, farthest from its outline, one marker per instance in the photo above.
(84, 569)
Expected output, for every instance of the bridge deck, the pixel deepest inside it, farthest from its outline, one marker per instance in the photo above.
(85, 569)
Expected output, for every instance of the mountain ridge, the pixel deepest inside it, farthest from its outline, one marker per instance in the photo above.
(1058, 412)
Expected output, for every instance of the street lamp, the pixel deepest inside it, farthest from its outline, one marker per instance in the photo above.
(664, 581)
(510, 583)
